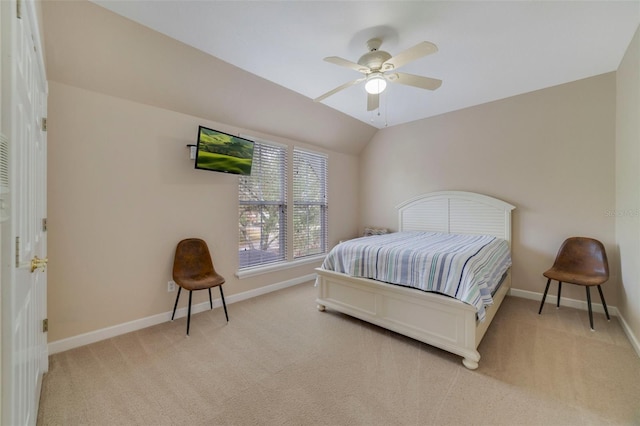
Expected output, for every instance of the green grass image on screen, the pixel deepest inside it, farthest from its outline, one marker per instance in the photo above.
(223, 152)
(213, 161)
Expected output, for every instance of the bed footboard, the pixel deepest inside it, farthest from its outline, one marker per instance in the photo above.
(434, 319)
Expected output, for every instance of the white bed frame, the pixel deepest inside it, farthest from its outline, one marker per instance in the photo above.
(431, 318)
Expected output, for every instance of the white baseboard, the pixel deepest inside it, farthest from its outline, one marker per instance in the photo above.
(632, 338)
(116, 330)
(580, 304)
(571, 303)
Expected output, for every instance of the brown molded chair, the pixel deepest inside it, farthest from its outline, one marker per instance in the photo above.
(580, 261)
(193, 270)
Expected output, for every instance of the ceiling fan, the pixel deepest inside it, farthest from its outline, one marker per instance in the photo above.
(379, 67)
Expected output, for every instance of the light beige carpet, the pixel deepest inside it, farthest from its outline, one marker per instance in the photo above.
(279, 361)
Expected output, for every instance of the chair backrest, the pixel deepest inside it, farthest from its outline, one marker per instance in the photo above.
(192, 259)
(584, 256)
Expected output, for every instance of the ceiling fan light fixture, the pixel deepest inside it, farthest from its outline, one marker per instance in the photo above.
(375, 84)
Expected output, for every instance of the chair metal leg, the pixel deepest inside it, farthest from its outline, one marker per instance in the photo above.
(559, 291)
(210, 300)
(176, 304)
(589, 305)
(604, 304)
(544, 296)
(189, 312)
(224, 305)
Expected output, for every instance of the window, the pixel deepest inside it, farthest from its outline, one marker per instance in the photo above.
(278, 223)
(309, 203)
(263, 208)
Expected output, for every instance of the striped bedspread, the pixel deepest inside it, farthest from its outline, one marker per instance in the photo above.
(465, 267)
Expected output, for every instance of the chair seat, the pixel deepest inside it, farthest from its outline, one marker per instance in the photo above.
(200, 283)
(574, 278)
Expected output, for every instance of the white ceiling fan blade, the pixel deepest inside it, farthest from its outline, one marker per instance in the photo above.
(337, 89)
(373, 101)
(346, 63)
(415, 80)
(411, 54)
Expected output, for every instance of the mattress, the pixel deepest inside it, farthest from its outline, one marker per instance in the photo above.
(466, 267)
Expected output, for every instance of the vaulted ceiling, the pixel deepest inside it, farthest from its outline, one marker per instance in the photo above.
(258, 65)
(487, 50)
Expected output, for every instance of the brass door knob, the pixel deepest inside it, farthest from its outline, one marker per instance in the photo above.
(37, 263)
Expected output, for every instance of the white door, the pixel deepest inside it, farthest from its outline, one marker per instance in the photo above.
(23, 189)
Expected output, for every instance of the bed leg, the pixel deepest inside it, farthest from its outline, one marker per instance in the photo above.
(470, 364)
(321, 308)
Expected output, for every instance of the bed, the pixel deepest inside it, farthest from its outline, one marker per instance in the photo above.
(432, 318)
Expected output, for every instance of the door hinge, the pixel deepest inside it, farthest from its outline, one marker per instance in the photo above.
(45, 325)
(44, 224)
(44, 124)
(17, 252)
(19, 9)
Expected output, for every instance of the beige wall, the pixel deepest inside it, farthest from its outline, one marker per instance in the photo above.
(92, 48)
(550, 153)
(123, 192)
(627, 179)
(124, 102)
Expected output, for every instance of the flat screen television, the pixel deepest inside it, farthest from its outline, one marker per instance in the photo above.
(221, 152)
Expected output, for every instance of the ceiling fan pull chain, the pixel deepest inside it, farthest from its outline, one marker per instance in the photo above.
(386, 110)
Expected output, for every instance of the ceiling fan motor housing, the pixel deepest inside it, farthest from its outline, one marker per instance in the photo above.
(374, 60)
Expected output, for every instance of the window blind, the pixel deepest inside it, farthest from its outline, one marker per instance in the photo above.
(263, 208)
(309, 203)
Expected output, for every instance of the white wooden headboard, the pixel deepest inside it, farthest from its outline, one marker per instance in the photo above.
(456, 212)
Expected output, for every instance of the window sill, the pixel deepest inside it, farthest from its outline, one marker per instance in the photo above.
(280, 266)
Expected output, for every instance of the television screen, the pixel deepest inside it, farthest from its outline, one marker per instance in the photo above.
(222, 152)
